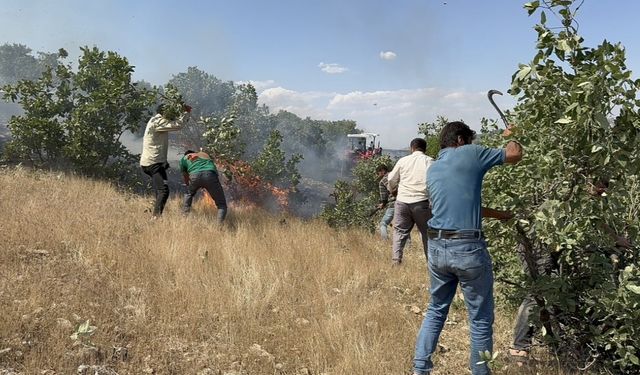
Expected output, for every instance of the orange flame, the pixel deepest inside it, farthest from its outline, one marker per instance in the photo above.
(251, 188)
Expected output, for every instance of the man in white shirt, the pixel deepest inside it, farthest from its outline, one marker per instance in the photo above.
(155, 146)
(409, 179)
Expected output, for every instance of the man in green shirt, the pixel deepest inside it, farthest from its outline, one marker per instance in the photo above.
(199, 171)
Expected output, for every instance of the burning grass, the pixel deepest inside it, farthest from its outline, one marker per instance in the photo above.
(260, 295)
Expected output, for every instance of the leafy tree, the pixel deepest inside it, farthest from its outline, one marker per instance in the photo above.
(77, 118)
(223, 138)
(431, 131)
(17, 63)
(355, 201)
(209, 96)
(272, 165)
(578, 120)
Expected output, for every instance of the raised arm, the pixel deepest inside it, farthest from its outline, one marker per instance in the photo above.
(165, 125)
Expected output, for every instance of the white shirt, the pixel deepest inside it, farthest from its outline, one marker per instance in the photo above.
(409, 177)
(155, 143)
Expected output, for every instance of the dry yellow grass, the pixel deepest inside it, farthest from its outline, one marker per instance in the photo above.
(261, 295)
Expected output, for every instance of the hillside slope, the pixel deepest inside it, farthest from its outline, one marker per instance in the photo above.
(261, 295)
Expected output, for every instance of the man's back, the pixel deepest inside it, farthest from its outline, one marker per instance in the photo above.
(155, 143)
(197, 165)
(455, 184)
(409, 177)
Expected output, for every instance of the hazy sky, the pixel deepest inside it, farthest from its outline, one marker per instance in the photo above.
(386, 64)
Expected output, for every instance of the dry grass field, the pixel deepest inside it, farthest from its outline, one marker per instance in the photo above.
(261, 295)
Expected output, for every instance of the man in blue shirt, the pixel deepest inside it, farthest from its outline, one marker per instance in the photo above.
(457, 251)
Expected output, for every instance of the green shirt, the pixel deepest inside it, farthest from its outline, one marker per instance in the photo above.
(197, 165)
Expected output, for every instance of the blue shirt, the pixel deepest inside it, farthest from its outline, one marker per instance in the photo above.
(454, 182)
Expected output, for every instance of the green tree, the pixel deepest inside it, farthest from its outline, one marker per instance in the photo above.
(355, 201)
(76, 118)
(208, 95)
(578, 120)
(17, 63)
(272, 165)
(431, 132)
(223, 138)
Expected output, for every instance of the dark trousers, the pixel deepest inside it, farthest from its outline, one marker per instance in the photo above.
(524, 330)
(405, 217)
(209, 181)
(158, 174)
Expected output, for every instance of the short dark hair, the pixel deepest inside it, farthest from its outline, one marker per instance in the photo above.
(189, 152)
(382, 167)
(450, 133)
(160, 109)
(418, 144)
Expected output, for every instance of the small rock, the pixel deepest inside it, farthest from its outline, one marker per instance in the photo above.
(302, 322)
(258, 351)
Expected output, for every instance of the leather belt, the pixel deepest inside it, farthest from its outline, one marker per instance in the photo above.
(436, 234)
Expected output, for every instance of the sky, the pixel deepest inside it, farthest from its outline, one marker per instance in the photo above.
(389, 65)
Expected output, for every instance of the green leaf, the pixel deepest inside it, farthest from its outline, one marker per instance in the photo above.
(563, 45)
(523, 73)
(564, 120)
(532, 6)
(633, 288)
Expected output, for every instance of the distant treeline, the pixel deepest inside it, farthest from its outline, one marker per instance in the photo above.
(320, 142)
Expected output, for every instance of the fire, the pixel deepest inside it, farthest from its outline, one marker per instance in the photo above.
(246, 190)
(208, 201)
(248, 187)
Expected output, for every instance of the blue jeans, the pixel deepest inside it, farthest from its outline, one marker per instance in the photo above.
(386, 220)
(453, 261)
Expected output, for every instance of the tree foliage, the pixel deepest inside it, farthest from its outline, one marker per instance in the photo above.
(355, 201)
(17, 63)
(76, 118)
(273, 166)
(431, 132)
(577, 118)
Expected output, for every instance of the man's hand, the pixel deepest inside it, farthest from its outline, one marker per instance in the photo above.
(192, 157)
(508, 131)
